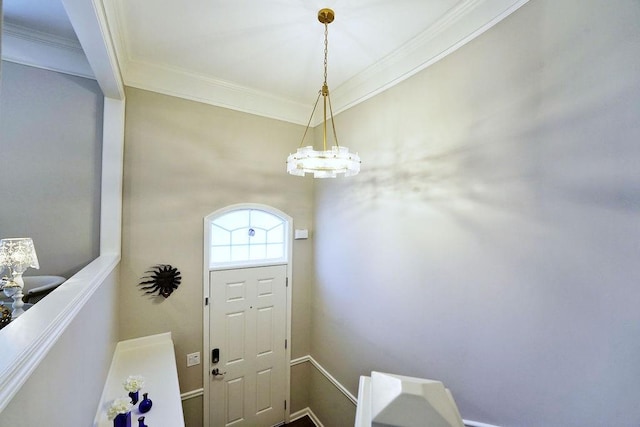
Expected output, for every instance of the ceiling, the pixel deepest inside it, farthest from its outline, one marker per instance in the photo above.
(263, 57)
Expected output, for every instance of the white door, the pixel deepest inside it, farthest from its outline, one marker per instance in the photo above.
(248, 327)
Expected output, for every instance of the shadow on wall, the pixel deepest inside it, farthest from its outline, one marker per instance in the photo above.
(519, 168)
(490, 240)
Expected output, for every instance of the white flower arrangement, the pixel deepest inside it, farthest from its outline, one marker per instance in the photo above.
(133, 383)
(121, 405)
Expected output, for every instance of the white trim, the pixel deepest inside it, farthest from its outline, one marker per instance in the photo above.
(191, 394)
(206, 297)
(91, 27)
(468, 423)
(113, 158)
(40, 37)
(314, 418)
(300, 360)
(306, 412)
(343, 390)
(335, 382)
(27, 342)
(247, 264)
(299, 414)
(42, 50)
(188, 85)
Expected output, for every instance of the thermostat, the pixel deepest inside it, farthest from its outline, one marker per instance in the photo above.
(301, 234)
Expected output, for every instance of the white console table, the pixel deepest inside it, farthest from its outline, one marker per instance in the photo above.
(152, 357)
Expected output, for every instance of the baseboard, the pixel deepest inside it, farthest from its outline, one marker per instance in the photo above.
(306, 412)
(347, 393)
(191, 394)
(468, 423)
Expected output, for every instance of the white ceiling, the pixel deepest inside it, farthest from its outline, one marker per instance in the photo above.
(265, 57)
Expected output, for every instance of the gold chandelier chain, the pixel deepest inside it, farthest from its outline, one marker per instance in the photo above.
(326, 88)
(326, 49)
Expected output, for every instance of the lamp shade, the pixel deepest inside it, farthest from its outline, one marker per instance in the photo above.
(18, 254)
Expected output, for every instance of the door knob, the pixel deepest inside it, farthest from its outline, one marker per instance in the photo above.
(216, 373)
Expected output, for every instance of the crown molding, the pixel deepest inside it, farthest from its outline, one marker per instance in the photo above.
(463, 23)
(26, 46)
(459, 26)
(466, 21)
(183, 84)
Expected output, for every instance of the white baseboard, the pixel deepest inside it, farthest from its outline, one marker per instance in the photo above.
(476, 424)
(306, 412)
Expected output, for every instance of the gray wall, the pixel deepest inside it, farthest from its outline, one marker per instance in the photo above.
(492, 238)
(51, 144)
(183, 161)
(332, 408)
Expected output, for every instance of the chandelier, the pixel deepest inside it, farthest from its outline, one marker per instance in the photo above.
(325, 163)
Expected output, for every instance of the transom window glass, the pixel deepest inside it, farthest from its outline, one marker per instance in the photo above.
(247, 235)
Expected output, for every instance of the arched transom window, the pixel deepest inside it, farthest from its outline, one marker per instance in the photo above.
(247, 236)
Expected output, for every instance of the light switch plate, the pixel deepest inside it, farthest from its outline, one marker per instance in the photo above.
(193, 359)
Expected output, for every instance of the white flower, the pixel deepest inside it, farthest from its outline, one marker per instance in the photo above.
(133, 383)
(121, 405)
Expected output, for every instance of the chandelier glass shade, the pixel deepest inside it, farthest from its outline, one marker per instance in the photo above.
(325, 163)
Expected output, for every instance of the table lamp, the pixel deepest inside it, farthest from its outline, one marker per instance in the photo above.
(16, 255)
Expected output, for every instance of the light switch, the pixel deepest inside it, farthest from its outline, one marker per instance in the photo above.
(193, 359)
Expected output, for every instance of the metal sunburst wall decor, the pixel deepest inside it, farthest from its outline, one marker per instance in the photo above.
(163, 279)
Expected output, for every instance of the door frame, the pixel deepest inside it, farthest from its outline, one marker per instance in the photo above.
(206, 346)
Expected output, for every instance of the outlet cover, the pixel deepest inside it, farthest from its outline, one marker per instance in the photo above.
(193, 359)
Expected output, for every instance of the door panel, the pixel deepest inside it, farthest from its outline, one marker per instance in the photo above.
(263, 391)
(264, 326)
(248, 325)
(235, 401)
(235, 334)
